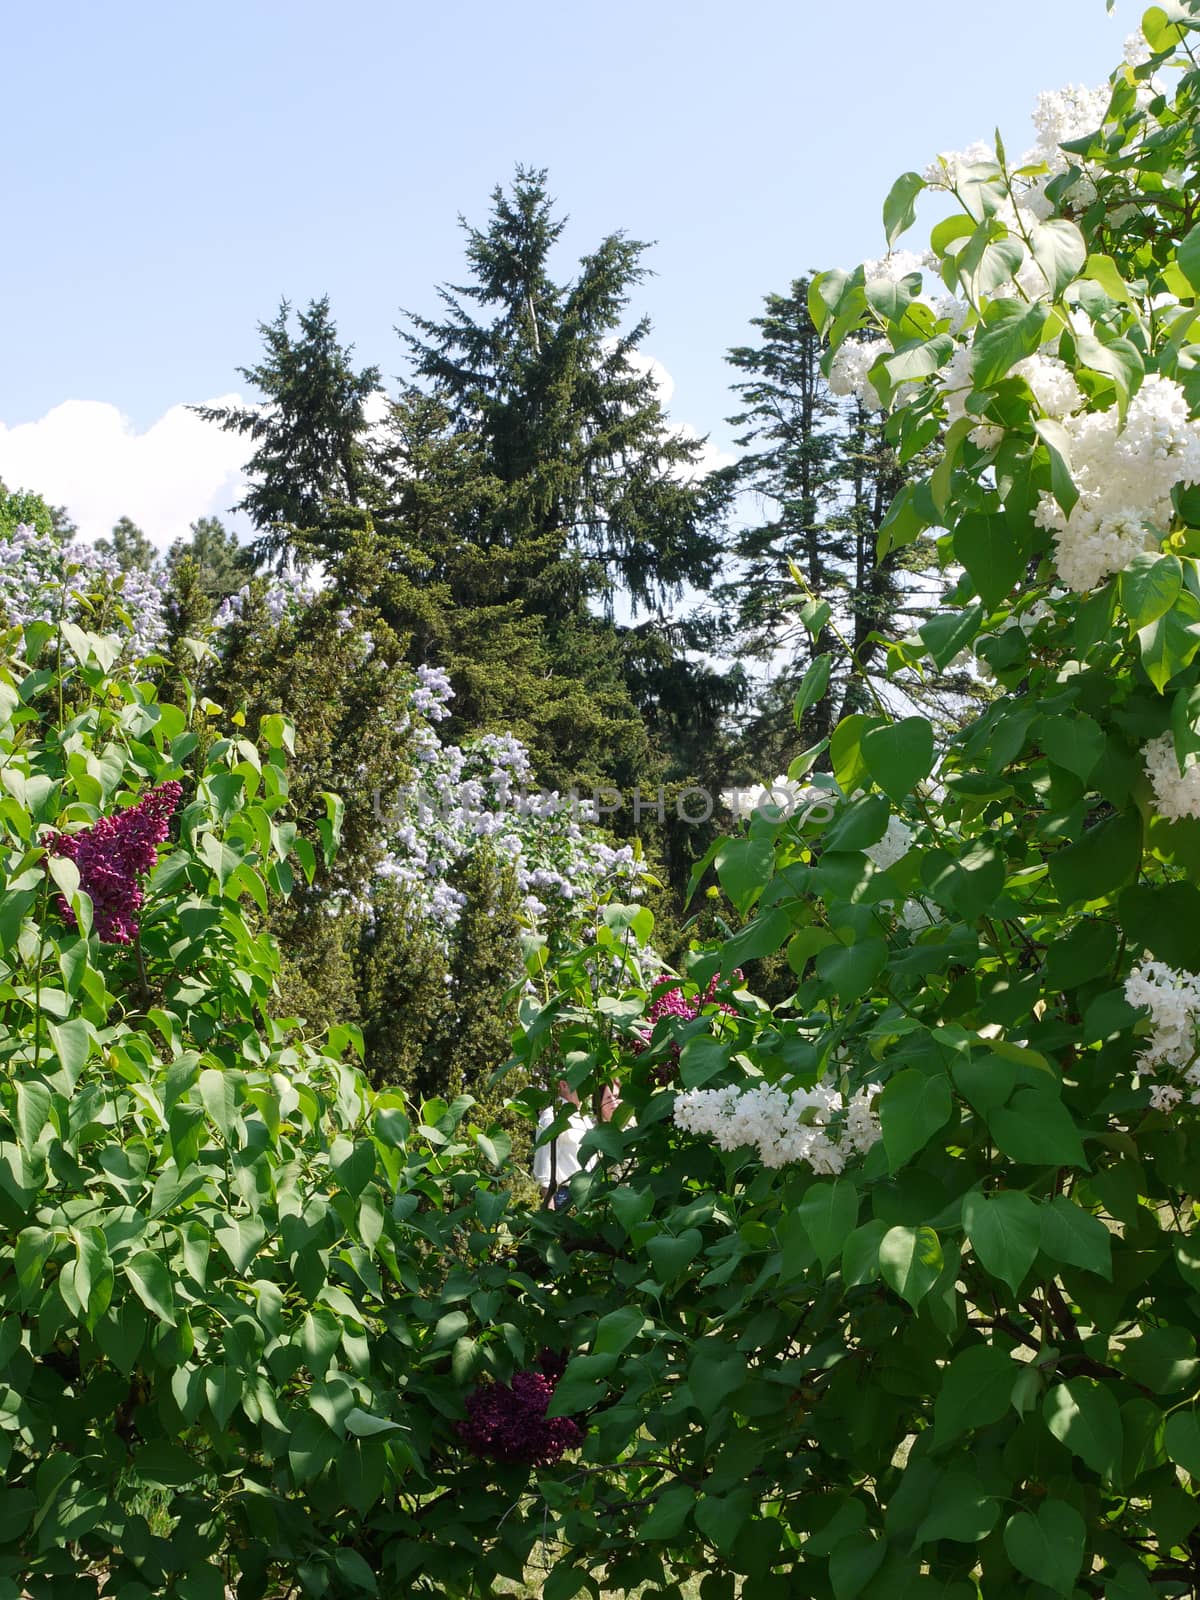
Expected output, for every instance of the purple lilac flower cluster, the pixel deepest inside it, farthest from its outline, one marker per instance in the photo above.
(112, 855)
(669, 1000)
(507, 1422)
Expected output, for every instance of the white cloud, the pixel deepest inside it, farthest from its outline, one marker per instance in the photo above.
(87, 456)
(710, 457)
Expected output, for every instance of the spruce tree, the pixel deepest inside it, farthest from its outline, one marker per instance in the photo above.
(311, 460)
(820, 472)
(596, 497)
(128, 546)
(223, 565)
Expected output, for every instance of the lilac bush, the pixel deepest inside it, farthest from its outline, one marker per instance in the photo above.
(42, 579)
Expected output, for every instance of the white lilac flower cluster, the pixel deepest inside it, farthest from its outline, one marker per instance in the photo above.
(465, 794)
(819, 1126)
(1125, 476)
(1176, 794)
(41, 579)
(893, 847)
(848, 371)
(1060, 116)
(784, 797)
(1173, 1001)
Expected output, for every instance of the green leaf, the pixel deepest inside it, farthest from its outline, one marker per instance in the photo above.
(744, 867)
(899, 209)
(1059, 251)
(617, 1330)
(1048, 1547)
(1164, 918)
(1036, 1127)
(828, 1213)
(1104, 271)
(845, 751)
(850, 970)
(853, 1563)
(914, 1105)
(669, 1513)
(1115, 358)
(960, 1509)
(813, 686)
(1075, 1237)
(899, 755)
(1058, 448)
(1074, 743)
(1162, 1359)
(860, 1255)
(1150, 586)
(72, 1044)
(670, 1255)
(994, 556)
(910, 1262)
(151, 1282)
(1005, 342)
(1106, 858)
(1188, 254)
(1004, 1230)
(945, 635)
(32, 1113)
(715, 1371)
(1169, 644)
(240, 1238)
(352, 1568)
(1083, 1415)
(365, 1425)
(861, 823)
(976, 1390)
(1181, 1440)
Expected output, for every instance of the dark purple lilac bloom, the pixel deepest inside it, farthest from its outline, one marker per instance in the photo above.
(672, 1002)
(507, 1422)
(112, 855)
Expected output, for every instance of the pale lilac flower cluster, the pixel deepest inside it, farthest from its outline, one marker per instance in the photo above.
(466, 794)
(1173, 1001)
(431, 698)
(820, 1126)
(42, 579)
(1176, 794)
(1125, 476)
(284, 595)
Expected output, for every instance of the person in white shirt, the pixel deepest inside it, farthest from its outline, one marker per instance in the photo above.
(556, 1161)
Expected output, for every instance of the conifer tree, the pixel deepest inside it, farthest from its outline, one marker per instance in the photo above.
(223, 565)
(128, 546)
(597, 496)
(820, 472)
(311, 459)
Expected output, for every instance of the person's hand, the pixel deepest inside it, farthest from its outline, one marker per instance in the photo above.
(609, 1101)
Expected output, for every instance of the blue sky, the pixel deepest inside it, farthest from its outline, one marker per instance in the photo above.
(172, 171)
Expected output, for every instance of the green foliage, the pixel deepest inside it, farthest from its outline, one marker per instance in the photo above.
(310, 459)
(21, 505)
(231, 1275)
(827, 472)
(128, 546)
(223, 565)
